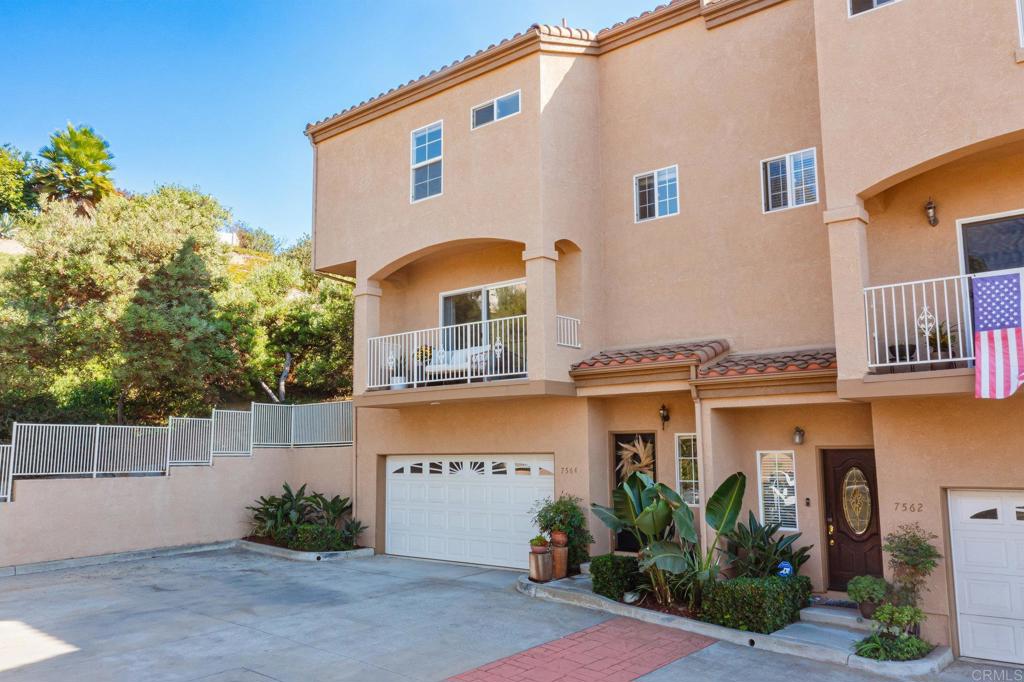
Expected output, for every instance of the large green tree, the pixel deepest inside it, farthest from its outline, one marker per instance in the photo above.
(76, 167)
(175, 353)
(17, 191)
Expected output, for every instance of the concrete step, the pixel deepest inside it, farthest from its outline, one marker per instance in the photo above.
(836, 616)
(833, 637)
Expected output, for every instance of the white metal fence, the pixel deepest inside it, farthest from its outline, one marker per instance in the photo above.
(96, 450)
(302, 425)
(231, 433)
(5, 473)
(76, 450)
(188, 441)
(323, 424)
(920, 323)
(492, 349)
(271, 424)
(567, 331)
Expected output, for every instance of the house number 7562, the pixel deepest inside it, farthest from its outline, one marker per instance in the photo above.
(909, 507)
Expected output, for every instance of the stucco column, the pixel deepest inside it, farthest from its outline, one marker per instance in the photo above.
(848, 253)
(541, 309)
(367, 324)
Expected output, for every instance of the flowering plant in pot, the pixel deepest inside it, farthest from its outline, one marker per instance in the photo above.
(539, 545)
(869, 592)
(566, 522)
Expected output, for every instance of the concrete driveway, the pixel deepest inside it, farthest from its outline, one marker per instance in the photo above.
(234, 616)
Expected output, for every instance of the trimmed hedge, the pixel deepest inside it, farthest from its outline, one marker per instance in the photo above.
(756, 604)
(614, 575)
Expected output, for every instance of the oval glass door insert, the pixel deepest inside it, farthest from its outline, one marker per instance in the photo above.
(857, 500)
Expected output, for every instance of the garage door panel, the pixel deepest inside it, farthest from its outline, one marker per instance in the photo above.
(988, 569)
(471, 508)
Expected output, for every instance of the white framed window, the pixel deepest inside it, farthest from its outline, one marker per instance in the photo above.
(776, 490)
(1020, 20)
(494, 110)
(482, 303)
(687, 468)
(426, 159)
(789, 180)
(861, 6)
(656, 194)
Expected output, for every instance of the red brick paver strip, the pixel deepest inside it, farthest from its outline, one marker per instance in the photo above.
(617, 650)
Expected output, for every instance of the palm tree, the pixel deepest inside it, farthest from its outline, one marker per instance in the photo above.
(76, 168)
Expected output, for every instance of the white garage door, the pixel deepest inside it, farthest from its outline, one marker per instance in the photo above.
(471, 508)
(987, 529)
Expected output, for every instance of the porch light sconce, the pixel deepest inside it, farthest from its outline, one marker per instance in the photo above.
(798, 436)
(663, 413)
(929, 210)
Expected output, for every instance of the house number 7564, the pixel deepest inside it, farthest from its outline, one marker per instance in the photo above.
(570, 470)
(909, 507)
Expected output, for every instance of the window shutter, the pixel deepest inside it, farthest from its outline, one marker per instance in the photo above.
(778, 488)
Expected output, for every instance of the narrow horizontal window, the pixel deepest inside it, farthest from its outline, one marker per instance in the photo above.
(859, 6)
(496, 109)
(656, 193)
(790, 180)
(426, 162)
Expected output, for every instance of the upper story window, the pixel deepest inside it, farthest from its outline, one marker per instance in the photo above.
(427, 151)
(858, 6)
(790, 180)
(656, 193)
(496, 109)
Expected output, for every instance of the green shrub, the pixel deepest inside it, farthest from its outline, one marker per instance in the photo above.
(566, 514)
(912, 557)
(755, 550)
(756, 604)
(883, 648)
(867, 588)
(614, 575)
(315, 538)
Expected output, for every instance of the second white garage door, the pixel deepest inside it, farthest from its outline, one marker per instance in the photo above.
(987, 530)
(470, 508)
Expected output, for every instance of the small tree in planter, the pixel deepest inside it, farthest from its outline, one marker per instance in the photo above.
(912, 558)
(565, 517)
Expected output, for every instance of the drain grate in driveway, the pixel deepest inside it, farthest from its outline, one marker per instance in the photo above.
(616, 650)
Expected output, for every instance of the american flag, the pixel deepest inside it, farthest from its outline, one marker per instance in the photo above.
(998, 337)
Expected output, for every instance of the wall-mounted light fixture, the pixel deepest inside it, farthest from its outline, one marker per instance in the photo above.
(929, 210)
(663, 413)
(798, 436)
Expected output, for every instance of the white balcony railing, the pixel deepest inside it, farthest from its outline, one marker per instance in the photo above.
(922, 323)
(495, 349)
(567, 331)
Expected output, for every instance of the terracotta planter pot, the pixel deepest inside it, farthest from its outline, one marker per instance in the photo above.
(559, 562)
(542, 549)
(867, 608)
(559, 538)
(540, 567)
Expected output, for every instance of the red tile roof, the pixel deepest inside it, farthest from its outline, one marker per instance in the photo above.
(759, 364)
(690, 352)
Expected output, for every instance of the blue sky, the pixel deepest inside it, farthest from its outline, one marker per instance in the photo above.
(215, 94)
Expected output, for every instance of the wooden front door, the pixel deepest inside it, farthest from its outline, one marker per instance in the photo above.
(851, 516)
(631, 452)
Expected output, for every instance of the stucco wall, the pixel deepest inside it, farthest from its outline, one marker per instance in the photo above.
(910, 82)
(710, 102)
(903, 247)
(923, 448)
(66, 518)
(740, 433)
(577, 431)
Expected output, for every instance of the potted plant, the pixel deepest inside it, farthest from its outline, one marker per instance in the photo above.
(565, 521)
(539, 545)
(869, 593)
(942, 339)
(559, 537)
(424, 354)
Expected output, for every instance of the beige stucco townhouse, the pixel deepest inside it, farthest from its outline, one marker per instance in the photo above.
(739, 231)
